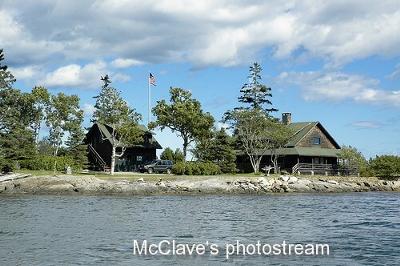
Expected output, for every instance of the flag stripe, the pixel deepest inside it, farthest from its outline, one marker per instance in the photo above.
(152, 80)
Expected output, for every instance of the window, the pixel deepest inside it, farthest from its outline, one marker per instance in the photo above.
(316, 140)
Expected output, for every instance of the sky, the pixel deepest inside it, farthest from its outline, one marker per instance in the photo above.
(337, 62)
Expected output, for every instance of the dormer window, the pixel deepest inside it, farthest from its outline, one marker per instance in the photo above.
(316, 141)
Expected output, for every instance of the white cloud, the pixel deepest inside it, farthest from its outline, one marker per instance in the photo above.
(125, 62)
(217, 32)
(75, 75)
(337, 86)
(366, 124)
(27, 72)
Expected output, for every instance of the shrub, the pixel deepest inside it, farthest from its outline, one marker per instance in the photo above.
(196, 168)
(178, 168)
(387, 166)
(47, 163)
(6, 165)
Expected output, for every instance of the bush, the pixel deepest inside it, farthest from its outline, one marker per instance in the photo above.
(386, 166)
(196, 168)
(47, 163)
(6, 165)
(178, 168)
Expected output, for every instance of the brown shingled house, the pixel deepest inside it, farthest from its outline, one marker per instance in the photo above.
(98, 139)
(311, 149)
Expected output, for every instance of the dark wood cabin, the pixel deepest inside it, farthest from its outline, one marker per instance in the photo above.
(98, 139)
(310, 150)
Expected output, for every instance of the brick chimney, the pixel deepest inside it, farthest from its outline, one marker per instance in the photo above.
(286, 118)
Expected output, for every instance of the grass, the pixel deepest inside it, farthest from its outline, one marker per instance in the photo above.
(165, 177)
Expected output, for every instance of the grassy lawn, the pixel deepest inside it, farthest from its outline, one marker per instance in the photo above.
(165, 177)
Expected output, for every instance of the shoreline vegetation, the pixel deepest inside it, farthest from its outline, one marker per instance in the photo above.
(43, 183)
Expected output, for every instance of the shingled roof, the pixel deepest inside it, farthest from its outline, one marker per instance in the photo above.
(106, 130)
(301, 129)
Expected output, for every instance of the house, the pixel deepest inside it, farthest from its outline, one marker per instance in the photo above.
(311, 150)
(98, 139)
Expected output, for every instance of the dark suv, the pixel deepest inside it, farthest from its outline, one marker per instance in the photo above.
(159, 166)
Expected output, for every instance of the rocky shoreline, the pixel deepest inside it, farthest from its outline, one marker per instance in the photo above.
(67, 184)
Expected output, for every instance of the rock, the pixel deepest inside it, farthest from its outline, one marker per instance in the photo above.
(332, 182)
(293, 179)
(285, 178)
(140, 179)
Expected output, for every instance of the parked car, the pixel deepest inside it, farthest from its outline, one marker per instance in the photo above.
(159, 166)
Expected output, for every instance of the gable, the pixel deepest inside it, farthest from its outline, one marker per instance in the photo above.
(103, 132)
(312, 135)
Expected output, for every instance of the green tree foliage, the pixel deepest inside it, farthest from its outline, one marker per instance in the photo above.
(279, 135)
(254, 93)
(218, 149)
(63, 116)
(16, 110)
(351, 158)
(386, 166)
(6, 78)
(41, 100)
(257, 134)
(184, 116)
(114, 111)
(178, 156)
(167, 154)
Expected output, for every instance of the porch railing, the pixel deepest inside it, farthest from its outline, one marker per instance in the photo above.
(322, 169)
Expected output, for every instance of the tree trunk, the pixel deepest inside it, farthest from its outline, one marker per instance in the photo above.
(185, 145)
(274, 160)
(112, 160)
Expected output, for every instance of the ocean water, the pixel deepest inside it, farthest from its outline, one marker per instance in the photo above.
(360, 228)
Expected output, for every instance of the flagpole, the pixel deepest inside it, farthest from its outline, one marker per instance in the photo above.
(149, 100)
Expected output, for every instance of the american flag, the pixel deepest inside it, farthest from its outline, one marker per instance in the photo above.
(152, 80)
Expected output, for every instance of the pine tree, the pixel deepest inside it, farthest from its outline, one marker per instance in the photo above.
(6, 78)
(255, 93)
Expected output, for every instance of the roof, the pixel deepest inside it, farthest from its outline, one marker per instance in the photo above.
(106, 130)
(308, 151)
(301, 129)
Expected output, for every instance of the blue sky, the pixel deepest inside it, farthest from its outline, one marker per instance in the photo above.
(336, 62)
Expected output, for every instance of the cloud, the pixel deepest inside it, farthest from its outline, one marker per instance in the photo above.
(338, 86)
(125, 62)
(366, 124)
(204, 33)
(27, 72)
(87, 76)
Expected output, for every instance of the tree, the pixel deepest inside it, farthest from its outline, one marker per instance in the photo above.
(218, 149)
(113, 111)
(351, 158)
(63, 116)
(184, 116)
(167, 154)
(255, 93)
(252, 129)
(387, 166)
(178, 156)
(41, 98)
(6, 78)
(279, 135)
(16, 139)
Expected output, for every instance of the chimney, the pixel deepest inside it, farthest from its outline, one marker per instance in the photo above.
(286, 118)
